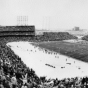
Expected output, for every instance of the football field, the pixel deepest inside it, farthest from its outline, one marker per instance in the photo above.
(47, 62)
(77, 49)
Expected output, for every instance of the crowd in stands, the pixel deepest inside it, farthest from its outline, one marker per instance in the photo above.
(15, 74)
(85, 38)
(8, 31)
(55, 36)
(47, 36)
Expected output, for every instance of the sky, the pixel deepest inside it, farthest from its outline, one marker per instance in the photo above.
(45, 14)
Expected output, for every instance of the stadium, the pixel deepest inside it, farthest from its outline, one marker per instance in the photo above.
(43, 44)
(50, 60)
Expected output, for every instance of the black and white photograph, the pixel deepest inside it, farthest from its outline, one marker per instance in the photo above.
(43, 43)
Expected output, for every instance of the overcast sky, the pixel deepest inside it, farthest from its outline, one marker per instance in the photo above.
(49, 14)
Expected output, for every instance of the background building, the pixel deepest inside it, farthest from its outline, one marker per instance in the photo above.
(76, 28)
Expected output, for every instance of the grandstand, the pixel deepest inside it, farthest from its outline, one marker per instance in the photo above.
(13, 66)
(6, 31)
(55, 36)
(85, 38)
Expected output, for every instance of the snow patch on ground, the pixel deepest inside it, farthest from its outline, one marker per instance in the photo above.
(51, 65)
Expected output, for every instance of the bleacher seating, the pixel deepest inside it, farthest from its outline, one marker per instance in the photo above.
(85, 38)
(55, 36)
(15, 74)
(17, 31)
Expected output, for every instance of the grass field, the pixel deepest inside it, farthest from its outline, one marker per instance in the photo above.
(78, 50)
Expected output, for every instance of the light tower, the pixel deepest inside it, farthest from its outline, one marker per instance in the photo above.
(22, 20)
(46, 23)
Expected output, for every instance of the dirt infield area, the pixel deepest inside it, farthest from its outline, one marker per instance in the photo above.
(77, 50)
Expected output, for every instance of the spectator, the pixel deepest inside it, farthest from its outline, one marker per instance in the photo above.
(14, 81)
